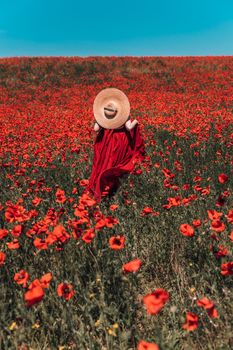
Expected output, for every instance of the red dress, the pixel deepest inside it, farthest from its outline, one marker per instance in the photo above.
(115, 153)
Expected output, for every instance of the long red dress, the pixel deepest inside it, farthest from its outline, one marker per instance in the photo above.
(115, 153)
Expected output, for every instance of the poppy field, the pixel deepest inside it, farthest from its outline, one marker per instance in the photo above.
(149, 268)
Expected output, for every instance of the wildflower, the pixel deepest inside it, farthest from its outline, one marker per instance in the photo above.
(208, 305)
(88, 235)
(2, 258)
(60, 196)
(217, 226)
(45, 280)
(187, 230)
(227, 269)
(132, 266)
(13, 245)
(34, 294)
(144, 345)
(222, 178)
(65, 290)
(21, 278)
(117, 242)
(191, 322)
(155, 301)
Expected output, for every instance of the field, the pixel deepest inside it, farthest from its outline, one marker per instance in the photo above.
(150, 268)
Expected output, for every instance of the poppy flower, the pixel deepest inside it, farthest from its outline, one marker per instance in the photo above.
(208, 305)
(222, 251)
(155, 301)
(2, 258)
(45, 280)
(113, 207)
(231, 236)
(187, 230)
(16, 231)
(21, 278)
(60, 196)
(13, 245)
(65, 290)
(213, 215)
(117, 242)
(191, 321)
(229, 216)
(36, 201)
(34, 294)
(144, 345)
(60, 233)
(86, 200)
(146, 210)
(217, 226)
(227, 268)
(132, 266)
(196, 223)
(40, 243)
(222, 178)
(3, 233)
(84, 182)
(88, 235)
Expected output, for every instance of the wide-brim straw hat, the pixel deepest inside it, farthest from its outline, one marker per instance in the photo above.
(111, 108)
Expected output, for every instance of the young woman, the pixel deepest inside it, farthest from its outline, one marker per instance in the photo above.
(116, 150)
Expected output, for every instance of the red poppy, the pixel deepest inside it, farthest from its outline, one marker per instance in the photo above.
(217, 226)
(155, 301)
(45, 280)
(3, 233)
(36, 201)
(84, 182)
(86, 200)
(88, 235)
(187, 230)
(191, 321)
(146, 210)
(144, 345)
(60, 196)
(227, 268)
(208, 305)
(222, 178)
(65, 290)
(213, 215)
(196, 223)
(229, 216)
(132, 266)
(34, 294)
(2, 258)
(60, 233)
(13, 245)
(117, 242)
(113, 207)
(16, 231)
(40, 243)
(231, 236)
(21, 278)
(222, 251)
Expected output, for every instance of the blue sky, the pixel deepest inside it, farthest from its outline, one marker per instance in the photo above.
(116, 28)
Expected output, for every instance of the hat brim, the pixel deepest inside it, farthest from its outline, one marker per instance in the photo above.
(121, 101)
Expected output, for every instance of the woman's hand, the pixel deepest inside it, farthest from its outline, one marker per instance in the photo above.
(130, 125)
(96, 127)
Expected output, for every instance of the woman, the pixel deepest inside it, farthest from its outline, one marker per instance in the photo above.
(118, 145)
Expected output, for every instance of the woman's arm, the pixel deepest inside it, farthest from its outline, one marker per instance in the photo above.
(96, 127)
(130, 125)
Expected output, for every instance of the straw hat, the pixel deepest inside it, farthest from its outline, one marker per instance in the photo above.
(111, 108)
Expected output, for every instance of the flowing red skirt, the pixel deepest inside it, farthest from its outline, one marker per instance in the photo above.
(115, 154)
